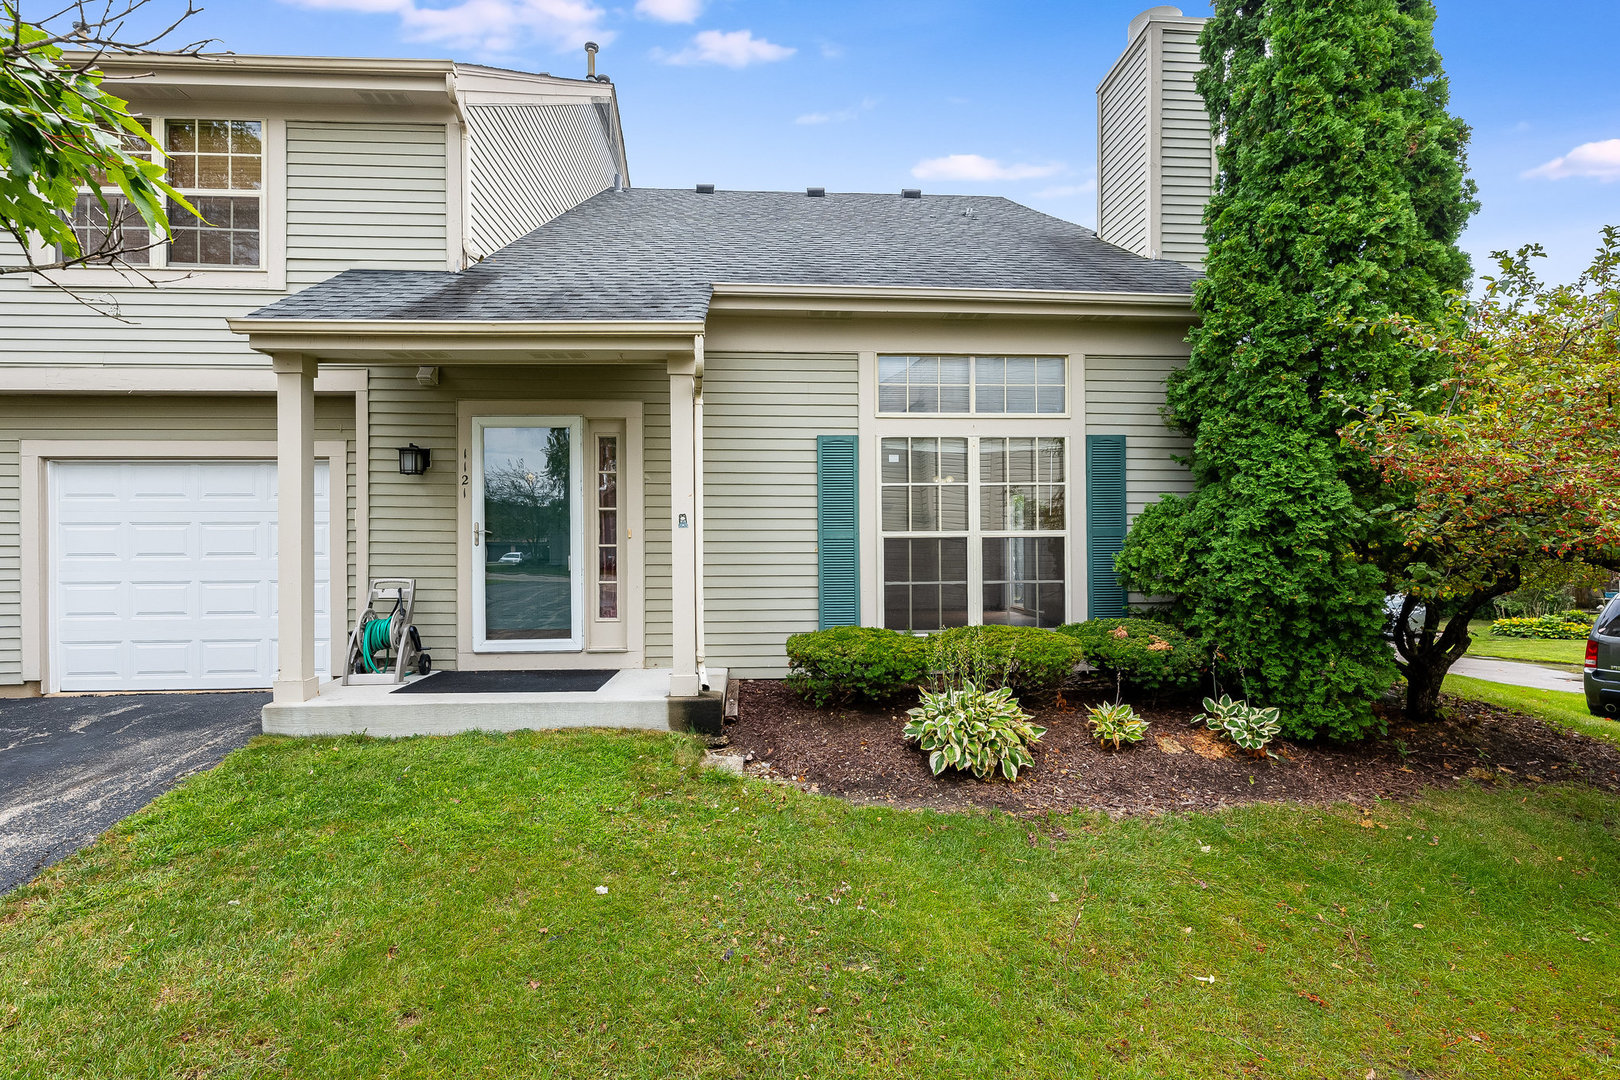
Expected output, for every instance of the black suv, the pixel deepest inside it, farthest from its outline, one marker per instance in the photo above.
(1603, 663)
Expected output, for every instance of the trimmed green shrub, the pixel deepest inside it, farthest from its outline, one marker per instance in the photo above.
(1026, 659)
(855, 662)
(973, 729)
(1562, 626)
(1116, 723)
(1145, 653)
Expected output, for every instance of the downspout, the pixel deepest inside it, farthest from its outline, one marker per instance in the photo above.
(697, 492)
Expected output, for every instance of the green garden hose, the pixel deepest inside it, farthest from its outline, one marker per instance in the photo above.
(375, 638)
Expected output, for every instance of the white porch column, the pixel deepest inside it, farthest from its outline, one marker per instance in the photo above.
(295, 527)
(683, 466)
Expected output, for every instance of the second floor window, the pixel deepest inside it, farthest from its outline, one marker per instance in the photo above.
(218, 165)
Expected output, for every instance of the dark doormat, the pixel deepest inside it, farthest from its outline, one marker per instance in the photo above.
(572, 681)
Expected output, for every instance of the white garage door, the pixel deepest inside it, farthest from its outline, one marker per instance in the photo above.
(163, 574)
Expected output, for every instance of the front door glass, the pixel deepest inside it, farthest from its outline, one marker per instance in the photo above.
(527, 557)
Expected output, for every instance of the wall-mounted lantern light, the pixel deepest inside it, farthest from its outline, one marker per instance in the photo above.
(414, 460)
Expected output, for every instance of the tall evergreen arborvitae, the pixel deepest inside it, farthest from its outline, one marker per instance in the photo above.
(1340, 196)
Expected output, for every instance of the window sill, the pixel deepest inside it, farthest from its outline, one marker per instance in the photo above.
(168, 279)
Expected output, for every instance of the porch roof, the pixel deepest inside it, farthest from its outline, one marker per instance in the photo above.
(656, 255)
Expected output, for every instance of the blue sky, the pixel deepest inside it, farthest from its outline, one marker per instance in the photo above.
(973, 96)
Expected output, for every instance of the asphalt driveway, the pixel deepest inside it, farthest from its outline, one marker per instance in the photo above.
(71, 767)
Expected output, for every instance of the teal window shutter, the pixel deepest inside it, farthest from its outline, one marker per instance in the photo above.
(1105, 524)
(838, 542)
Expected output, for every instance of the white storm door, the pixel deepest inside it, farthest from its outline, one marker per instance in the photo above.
(163, 574)
(528, 519)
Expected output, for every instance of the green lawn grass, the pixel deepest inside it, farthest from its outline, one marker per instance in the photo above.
(1534, 650)
(1565, 710)
(427, 907)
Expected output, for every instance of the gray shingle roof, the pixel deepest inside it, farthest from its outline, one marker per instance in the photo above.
(653, 253)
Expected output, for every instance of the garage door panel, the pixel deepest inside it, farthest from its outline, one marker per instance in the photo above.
(227, 659)
(233, 540)
(162, 600)
(165, 575)
(235, 599)
(148, 541)
(82, 541)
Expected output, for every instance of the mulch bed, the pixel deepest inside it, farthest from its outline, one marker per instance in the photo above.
(859, 754)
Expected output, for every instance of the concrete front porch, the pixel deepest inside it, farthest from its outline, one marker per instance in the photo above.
(637, 698)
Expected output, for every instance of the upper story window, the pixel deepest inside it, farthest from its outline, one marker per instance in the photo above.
(973, 385)
(218, 165)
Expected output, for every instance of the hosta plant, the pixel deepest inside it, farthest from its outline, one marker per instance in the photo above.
(972, 729)
(1249, 726)
(1116, 723)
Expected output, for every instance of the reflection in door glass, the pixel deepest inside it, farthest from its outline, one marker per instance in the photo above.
(528, 592)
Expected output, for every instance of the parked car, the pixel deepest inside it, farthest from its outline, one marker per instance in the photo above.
(511, 558)
(1603, 662)
(1392, 615)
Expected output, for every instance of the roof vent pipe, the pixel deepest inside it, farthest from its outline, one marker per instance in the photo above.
(705, 189)
(816, 192)
(590, 59)
(911, 193)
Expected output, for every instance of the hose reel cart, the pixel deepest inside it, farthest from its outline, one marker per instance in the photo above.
(386, 646)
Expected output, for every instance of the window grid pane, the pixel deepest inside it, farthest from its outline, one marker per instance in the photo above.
(966, 385)
(121, 234)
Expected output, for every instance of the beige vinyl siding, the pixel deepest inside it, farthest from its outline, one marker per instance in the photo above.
(1185, 147)
(133, 418)
(761, 416)
(1122, 180)
(358, 194)
(414, 518)
(1125, 396)
(364, 195)
(529, 163)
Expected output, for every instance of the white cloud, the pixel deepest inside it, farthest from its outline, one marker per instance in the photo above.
(973, 167)
(1597, 160)
(831, 50)
(841, 116)
(1067, 191)
(680, 11)
(495, 26)
(733, 49)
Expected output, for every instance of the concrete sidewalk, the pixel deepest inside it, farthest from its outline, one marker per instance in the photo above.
(1533, 676)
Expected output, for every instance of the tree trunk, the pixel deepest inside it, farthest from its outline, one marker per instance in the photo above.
(1424, 676)
(1426, 654)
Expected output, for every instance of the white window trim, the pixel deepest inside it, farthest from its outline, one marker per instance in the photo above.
(973, 386)
(270, 275)
(976, 534)
(625, 646)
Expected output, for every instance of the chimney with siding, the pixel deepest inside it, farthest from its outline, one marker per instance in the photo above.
(1155, 157)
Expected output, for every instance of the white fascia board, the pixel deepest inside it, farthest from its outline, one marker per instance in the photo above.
(163, 379)
(911, 300)
(405, 341)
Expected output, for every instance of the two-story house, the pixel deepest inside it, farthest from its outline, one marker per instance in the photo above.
(665, 429)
